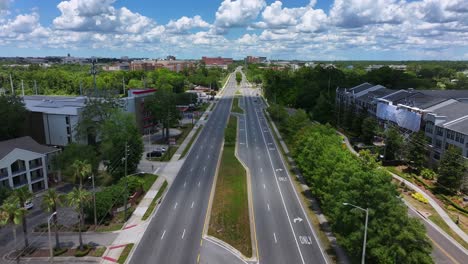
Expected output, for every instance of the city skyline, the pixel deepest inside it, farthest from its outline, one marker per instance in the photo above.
(295, 29)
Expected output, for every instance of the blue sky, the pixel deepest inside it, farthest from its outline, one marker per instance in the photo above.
(289, 29)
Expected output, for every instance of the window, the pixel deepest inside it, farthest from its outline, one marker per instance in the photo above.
(429, 140)
(67, 120)
(35, 163)
(438, 143)
(429, 127)
(439, 131)
(3, 172)
(436, 155)
(459, 137)
(69, 139)
(451, 134)
(68, 130)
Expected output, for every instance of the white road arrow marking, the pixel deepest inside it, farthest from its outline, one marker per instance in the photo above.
(297, 219)
(279, 170)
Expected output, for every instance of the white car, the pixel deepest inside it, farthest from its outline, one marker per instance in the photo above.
(28, 205)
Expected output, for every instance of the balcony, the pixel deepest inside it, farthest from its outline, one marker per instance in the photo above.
(36, 175)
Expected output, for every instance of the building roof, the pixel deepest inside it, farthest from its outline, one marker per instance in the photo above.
(63, 105)
(26, 143)
(460, 126)
(370, 96)
(360, 88)
(452, 111)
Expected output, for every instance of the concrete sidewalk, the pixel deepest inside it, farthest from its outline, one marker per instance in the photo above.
(431, 201)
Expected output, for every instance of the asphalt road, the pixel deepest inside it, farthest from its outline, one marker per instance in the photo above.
(283, 231)
(175, 232)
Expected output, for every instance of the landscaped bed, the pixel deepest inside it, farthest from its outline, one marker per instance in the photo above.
(229, 219)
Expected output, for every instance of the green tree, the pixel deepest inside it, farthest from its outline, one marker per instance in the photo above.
(23, 194)
(81, 170)
(323, 109)
(369, 129)
(118, 130)
(50, 202)
(452, 169)
(294, 123)
(73, 152)
(393, 144)
(95, 113)
(162, 105)
(278, 113)
(13, 113)
(11, 212)
(77, 199)
(238, 77)
(417, 150)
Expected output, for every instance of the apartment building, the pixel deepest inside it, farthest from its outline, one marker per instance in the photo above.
(217, 62)
(442, 114)
(151, 65)
(24, 162)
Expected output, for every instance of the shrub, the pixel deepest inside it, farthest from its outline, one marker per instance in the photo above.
(60, 251)
(84, 252)
(428, 174)
(420, 197)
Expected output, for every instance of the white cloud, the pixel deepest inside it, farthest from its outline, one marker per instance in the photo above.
(238, 13)
(358, 13)
(184, 24)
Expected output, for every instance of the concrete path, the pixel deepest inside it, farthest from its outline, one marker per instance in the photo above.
(431, 201)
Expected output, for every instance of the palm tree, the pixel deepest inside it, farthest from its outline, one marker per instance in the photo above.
(23, 194)
(50, 201)
(12, 213)
(77, 198)
(81, 169)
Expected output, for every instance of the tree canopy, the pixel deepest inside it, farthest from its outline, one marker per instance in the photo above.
(13, 114)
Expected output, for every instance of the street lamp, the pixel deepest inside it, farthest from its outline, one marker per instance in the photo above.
(50, 238)
(94, 201)
(365, 229)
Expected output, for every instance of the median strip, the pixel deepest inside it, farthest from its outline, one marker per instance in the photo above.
(229, 219)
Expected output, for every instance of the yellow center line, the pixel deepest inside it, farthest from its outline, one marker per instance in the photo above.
(444, 252)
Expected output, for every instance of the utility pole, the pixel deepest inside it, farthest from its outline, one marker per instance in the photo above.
(94, 72)
(81, 88)
(123, 85)
(126, 182)
(94, 202)
(35, 86)
(11, 84)
(22, 87)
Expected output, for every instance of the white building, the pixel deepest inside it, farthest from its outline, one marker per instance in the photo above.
(24, 162)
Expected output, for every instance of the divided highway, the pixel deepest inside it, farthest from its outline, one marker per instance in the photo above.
(284, 232)
(175, 232)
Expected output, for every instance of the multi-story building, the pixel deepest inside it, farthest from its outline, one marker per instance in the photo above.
(217, 62)
(151, 65)
(442, 114)
(124, 66)
(52, 120)
(252, 59)
(24, 162)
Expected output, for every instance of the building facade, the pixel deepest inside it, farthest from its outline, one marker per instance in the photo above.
(441, 114)
(24, 162)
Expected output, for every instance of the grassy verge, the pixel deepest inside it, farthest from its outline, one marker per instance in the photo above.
(123, 257)
(235, 106)
(185, 131)
(97, 252)
(187, 148)
(148, 180)
(109, 228)
(434, 217)
(167, 155)
(230, 220)
(150, 209)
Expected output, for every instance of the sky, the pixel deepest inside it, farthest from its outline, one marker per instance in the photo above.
(190, 29)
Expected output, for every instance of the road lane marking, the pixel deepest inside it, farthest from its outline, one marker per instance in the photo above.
(156, 171)
(264, 186)
(204, 168)
(197, 157)
(284, 203)
(198, 184)
(192, 204)
(268, 206)
(261, 169)
(185, 183)
(183, 234)
(163, 234)
(274, 235)
(175, 206)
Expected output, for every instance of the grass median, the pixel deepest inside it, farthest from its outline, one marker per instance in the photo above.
(230, 210)
(235, 106)
(151, 207)
(123, 257)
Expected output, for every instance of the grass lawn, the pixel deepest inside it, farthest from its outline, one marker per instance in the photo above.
(97, 252)
(185, 131)
(235, 106)
(230, 211)
(148, 180)
(150, 209)
(187, 148)
(125, 252)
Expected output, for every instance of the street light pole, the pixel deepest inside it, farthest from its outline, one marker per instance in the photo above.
(365, 229)
(126, 183)
(50, 238)
(94, 201)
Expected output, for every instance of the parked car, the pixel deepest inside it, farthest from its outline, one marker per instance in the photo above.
(154, 154)
(28, 205)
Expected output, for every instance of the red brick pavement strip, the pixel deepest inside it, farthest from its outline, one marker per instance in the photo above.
(128, 227)
(119, 246)
(110, 259)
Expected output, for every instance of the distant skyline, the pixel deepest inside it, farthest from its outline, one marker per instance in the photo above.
(289, 29)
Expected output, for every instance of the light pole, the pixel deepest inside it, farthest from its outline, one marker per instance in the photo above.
(50, 238)
(94, 201)
(365, 229)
